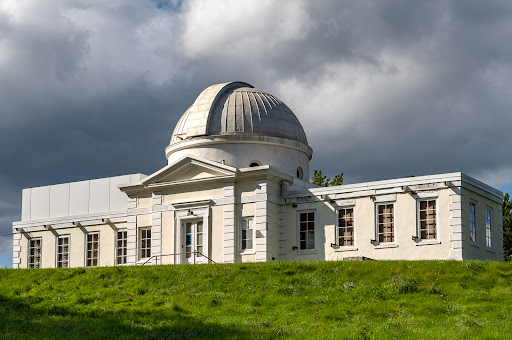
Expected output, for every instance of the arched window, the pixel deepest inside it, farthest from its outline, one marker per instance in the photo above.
(255, 163)
(300, 173)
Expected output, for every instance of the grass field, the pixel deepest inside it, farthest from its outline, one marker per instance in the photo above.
(370, 299)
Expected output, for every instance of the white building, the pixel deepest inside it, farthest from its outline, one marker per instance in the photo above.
(235, 189)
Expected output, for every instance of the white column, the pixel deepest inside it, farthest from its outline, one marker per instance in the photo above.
(457, 214)
(229, 223)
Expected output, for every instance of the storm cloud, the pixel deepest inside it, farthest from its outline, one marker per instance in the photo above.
(384, 89)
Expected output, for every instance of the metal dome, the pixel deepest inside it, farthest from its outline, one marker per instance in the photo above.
(237, 108)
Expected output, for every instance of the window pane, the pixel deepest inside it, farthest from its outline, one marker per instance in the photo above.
(311, 240)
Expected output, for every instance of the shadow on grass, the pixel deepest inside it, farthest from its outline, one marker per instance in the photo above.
(24, 319)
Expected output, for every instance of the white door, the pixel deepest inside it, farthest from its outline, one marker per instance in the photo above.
(192, 242)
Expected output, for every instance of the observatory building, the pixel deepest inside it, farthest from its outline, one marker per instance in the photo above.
(236, 190)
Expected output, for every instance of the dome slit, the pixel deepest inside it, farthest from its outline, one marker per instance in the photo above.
(257, 110)
(248, 114)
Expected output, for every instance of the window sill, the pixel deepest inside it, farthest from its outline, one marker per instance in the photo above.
(306, 252)
(385, 245)
(342, 249)
(247, 252)
(473, 244)
(142, 260)
(428, 242)
(490, 250)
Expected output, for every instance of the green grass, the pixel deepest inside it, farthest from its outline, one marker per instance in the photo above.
(370, 299)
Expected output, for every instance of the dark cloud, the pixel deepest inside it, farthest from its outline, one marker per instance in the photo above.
(384, 89)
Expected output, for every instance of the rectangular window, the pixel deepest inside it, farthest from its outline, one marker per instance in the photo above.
(34, 252)
(427, 220)
(63, 252)
(346, 227)
(121, 246)
(307, 231)
(92, 249)
(246, 234)
(472, 222)
(488, 226)
(145, 242)
(385, 223)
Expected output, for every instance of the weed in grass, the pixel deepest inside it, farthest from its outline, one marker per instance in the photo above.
(403, 285)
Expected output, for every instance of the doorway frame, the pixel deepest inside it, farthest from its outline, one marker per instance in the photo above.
(186, 212)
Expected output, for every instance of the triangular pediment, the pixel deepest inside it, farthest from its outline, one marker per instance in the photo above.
(189, 168)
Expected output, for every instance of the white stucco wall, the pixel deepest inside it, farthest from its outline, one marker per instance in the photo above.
(237, 155)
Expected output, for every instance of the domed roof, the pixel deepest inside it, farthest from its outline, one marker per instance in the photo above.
(237, 108)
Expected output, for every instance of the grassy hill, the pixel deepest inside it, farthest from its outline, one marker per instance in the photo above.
(370, 299)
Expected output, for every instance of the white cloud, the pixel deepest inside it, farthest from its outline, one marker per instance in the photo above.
(242, 29)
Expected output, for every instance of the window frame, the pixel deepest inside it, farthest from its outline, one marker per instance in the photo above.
(337, 231)
(488, 228)
(306, 250)
(86, 249)
(147, 248)
(377, 238)
(240, 239)
(33, 264)
(57, 245)
(418, 221)
(473, 225)
(125, 256)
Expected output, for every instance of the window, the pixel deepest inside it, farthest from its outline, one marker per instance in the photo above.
(254, 163)
(307, 231)
(34, 252)
(121, 249)
(92, 249)
(246, 234)
(488, 226)
(427, 220)
(385, 223)
(63, 252)
(472, 222)
(346, 227)
(145, 242)
(300, 173)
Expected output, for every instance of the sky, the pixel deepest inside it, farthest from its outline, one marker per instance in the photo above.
(383, 89)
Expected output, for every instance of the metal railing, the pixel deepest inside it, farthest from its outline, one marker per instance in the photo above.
(195, 253)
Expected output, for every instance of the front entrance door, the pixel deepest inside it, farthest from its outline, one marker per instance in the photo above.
(192, 241)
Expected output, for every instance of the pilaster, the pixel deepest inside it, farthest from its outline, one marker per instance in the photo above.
(263, 226)
(16, 250)
(131, 233)
(282, 232)
(457, 216)
(156, 229)
(229, 223)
